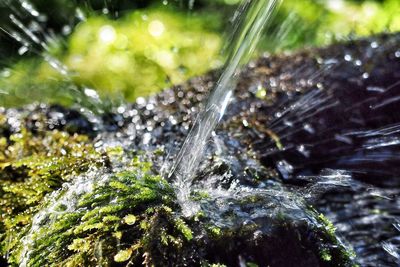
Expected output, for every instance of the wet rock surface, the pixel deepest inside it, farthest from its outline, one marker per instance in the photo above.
(318, 129)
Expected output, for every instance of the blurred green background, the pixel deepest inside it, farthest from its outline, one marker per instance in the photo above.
(128, 48)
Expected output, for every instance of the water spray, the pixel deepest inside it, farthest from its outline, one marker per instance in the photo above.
(251, 18)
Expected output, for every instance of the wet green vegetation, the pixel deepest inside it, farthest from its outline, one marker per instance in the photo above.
(64, 202)
(33, 166)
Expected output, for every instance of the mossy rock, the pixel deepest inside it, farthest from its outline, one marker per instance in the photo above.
(96, 196)
(67, 203)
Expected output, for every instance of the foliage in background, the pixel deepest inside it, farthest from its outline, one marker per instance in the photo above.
(124, 54)
(142, 52)
(135, 55)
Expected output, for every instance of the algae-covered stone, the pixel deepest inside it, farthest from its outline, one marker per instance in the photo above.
(77, 206)
(97, 211)
(100, 199)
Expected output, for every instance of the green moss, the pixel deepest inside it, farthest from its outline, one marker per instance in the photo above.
(31, 167)
(325, 255)
(331, 229)
(214, 231)
(184, 229)
(261, 92)
(123, 217)
(132, 208)
(123, 255)
(328, 227)
(199, 195)
(130, 219)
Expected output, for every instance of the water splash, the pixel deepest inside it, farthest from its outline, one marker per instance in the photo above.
(28, 28)
(253, 16)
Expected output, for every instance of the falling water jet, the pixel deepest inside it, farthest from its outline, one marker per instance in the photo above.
(253, 16)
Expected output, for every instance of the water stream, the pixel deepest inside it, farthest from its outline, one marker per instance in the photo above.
(252, 17)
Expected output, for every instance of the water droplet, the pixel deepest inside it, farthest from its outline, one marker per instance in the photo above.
(375, 89)
(66, 30)
(29, 7)
(288, 123)
(391, 249)
(331, 61)
(173, 120)
(105, 11)
(343, 139)
(273, 82)
(302, 149)
(79, 14)
(252, 65)
(91, 93)
(22, 50)
(141, 101)
(374, 45)
(285, 169)
(150, 106)
(308, 128)
(397, 225)
(397, 54)
(146, 138)
(57, 65)
(365, 75)
(348, 57)
(257, 234)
